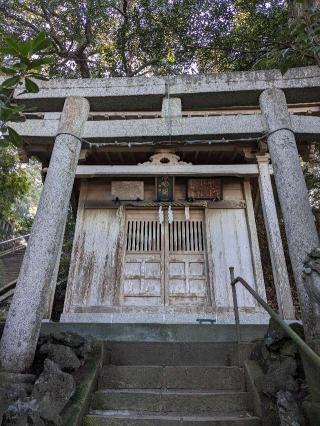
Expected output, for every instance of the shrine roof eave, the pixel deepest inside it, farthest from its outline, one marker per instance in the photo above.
(301, 85)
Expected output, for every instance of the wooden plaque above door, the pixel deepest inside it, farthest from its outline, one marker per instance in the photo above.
(205, 189)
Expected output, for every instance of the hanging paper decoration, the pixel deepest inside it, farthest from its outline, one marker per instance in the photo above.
(120, 212)
(187, 214)
(170, 215)
(161, 216)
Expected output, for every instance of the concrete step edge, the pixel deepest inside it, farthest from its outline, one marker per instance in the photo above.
(174, 416)
(118, 418)
(171, 377)
(185, 402)
(183, 392)
(216, 367)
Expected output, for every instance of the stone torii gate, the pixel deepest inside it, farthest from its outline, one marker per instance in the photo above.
(27, 310)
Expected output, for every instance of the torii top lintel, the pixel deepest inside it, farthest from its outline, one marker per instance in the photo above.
(301, 85)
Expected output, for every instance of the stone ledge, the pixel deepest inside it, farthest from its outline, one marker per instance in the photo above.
(159, 332)
(86, 379)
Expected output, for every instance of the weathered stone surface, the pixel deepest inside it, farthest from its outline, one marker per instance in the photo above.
(311, 274)
(14, 387)
(298, 328)
(289, 348)
(8, 395)
(288, 409)
(278, 262)
(61, 355)
(228, 88)
(82, 346)
(22, 413)
(23, 323)
(190, 403)
(53, 390)
(171, 108)
(311, 411)
(274, 335)
(270, 416)
(193, 127)
(261, 354)
(278, 378)
(73, 340)
(293, 195)
(282, 387)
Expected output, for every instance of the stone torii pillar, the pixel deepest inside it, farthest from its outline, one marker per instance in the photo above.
(29, 302)
(279, 267)
(299, 221)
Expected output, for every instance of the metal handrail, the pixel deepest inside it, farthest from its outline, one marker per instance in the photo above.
(15, 239)
(294, 336)
(13, 244)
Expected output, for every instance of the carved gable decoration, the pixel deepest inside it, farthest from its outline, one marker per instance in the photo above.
(208, 189)
(127, 190)
(164, 158)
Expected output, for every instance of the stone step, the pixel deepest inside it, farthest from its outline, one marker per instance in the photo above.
(172, 377)
(184, 402)
(127, 418)
(149, 332)
(176, 353)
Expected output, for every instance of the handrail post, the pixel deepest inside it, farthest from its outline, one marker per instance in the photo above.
(235, 304)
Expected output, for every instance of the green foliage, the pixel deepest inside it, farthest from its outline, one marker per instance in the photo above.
(95, 38)
(299, 42)
(305, 30)
(20, 187)
(23, 64)
(14, 183)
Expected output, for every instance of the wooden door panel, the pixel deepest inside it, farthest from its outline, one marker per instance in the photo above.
(187, 279)
(142, 276)
(186, 274)
(142, 279)
(165, 264)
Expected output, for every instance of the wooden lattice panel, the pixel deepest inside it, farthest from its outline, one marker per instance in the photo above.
(143, 235)
(186, 236)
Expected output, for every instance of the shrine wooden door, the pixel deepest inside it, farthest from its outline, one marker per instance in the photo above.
(164, 264)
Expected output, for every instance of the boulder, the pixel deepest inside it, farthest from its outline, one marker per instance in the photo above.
(298, 328)
(261, 354)
(62, 355)
(52, 390)
(13, 388)
(289, 348)
(288, 409)
(269, 412)
(82, 346)
(23, 412)
(275, 335)
(278, 379)
(73, 340)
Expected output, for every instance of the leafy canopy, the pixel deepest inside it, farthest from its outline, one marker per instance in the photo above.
(94, 38)
(23, 65)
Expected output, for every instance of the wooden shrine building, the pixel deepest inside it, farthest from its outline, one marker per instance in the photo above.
(169, 175)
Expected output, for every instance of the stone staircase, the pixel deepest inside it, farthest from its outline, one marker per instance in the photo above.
(173, 383)
(10, 264)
